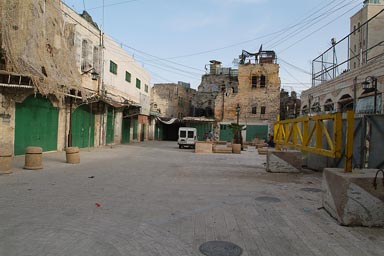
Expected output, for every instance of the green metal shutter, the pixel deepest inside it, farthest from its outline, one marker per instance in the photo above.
(83, 127)
(36, 124)
(125, 130)
(257, 131)
(110, 125)
(226, 133)
(201, 129)
(135, 127)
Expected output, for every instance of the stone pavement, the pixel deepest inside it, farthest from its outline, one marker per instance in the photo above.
(156, 199)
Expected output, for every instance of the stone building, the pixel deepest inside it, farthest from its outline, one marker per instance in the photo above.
(212, 84)
(257, 97)
(171, 102)
(55, 90)
(332, 91)
(289, 105)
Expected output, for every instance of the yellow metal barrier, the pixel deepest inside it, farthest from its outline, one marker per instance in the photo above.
(308, 133)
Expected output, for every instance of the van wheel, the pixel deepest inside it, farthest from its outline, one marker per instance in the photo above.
(179, 146)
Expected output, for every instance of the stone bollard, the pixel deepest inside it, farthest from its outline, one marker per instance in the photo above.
(33, 158)
(72, 155)
(5, 161)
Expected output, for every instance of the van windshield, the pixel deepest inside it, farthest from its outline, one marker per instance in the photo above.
(183, 134)
(190, 134)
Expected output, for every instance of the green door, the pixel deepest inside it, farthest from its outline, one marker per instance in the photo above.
(226, 133)
(83, 127)
(110, 125)
(125, 130)
(158, 131)
(135, 127)
(257, 131)
(36, 123)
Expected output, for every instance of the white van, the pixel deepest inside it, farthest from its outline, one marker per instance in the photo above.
(187, 137)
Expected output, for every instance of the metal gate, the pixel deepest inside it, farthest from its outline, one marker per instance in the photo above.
(126, 130)
(36, 123)
(110, 125)
(257, 131)
(83, 127)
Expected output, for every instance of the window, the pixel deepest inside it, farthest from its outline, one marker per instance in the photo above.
(190, 134)
(354, 29)
(113, 67)
(358, 27)
(263, 109)
(254, 110)
(262, 81)
(96, 59)
(138, 83)
(127, 76)
(85, 55)
(146, 88)
(254, 81)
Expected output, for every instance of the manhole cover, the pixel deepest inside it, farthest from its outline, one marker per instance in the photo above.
(268, 199)
(314, 190)
(220, 248)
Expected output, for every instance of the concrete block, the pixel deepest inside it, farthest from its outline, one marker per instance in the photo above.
(351, 198)
(236, 148)
(203, 147)
(284, 161)
(222, 149)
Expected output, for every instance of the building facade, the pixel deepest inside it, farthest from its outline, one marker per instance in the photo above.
(61, 89)
(256, 103)
(365, 65)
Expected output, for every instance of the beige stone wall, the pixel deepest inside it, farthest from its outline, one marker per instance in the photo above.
(210, 87)
(172, 99)
(366, 37)
(247, 97)
(7, 123)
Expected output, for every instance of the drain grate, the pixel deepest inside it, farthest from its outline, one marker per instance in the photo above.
(268, 199)
(220, 248)
(314, 190)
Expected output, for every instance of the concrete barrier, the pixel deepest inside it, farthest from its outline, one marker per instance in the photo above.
(236, 148)
(203, 147)
(33, 158)
(351, 197)
(284, 161)
(5, 161)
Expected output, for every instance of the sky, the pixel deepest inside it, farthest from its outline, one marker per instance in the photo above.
(175, 39)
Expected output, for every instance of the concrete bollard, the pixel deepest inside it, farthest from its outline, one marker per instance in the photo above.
(33, 158)
(5, 161)
(72, 155)
(236, 148)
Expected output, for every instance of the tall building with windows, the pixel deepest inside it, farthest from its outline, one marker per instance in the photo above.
(366, 36)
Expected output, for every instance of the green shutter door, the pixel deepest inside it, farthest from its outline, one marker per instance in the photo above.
(135, 127)
(83, 127)
(226, 133)
(125, 130)
(36, 124)
(257, 131)
(110, 126)
(201, 129)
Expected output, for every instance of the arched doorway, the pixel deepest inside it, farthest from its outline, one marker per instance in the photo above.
(36, 124)
(329, 106)
(345, 103)
(83, 127)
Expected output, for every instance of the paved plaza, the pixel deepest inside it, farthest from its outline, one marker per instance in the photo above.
(153, 198)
